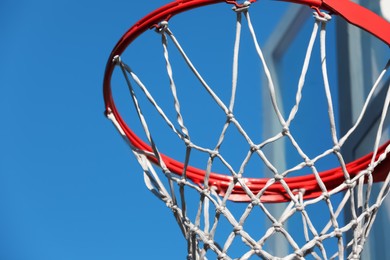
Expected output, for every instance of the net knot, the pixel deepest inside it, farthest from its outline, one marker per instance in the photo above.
(164, 169)
(370, 169)
(299, 253)
(108, 112)
(222, 256)
(213, 154)
(356, 255)
(336, 149)
(374, 208)
(162, 26)
(326, 195)
(321, 16)
(338, 233)
(354, 223)
(254, 148)
(237, 177)
(317, 239)
(209, 242)
(220, 209)
(194, 229)
(117, 59)
(255, 202)
(308, 162)
(169, 204)
(230, 116)
(205, 192)
(187, 141)
(350, 184)
(181, 182)
(285, 130)
(278, 177)
(241, 7)
(174, 207)
(299, 206)
(237, 229)
(278, 226)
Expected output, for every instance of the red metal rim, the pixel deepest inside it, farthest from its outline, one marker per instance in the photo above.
(353, 13)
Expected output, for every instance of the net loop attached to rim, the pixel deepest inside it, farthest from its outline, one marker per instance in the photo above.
(170, 180)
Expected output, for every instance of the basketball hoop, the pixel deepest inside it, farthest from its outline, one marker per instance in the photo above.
(169, 179)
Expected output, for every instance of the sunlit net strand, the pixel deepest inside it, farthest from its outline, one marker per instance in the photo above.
(207, 195)
(295, 109)
(204, 207)
(152, 180)
(216, 98)
(372, 210)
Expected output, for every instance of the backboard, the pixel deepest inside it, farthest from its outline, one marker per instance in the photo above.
(360, 62)
(356, 59)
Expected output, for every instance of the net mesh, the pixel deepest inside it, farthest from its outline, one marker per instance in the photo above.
(214, 226)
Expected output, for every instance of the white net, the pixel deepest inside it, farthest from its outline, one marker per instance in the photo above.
(215, 227)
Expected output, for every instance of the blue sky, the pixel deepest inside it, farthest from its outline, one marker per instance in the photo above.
(69, 186)
(66, 188)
